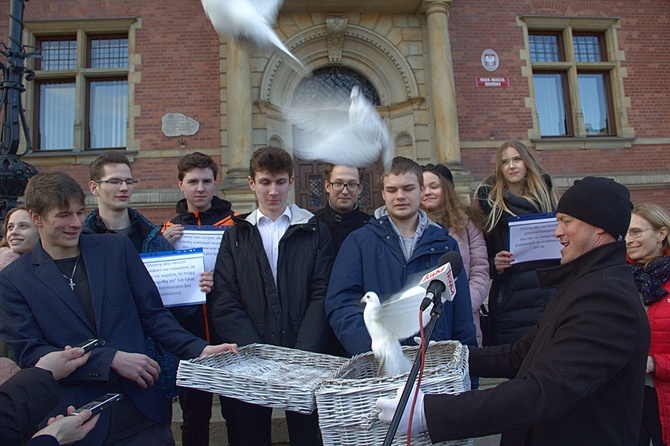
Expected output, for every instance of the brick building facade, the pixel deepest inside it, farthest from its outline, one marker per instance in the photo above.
(421, 57)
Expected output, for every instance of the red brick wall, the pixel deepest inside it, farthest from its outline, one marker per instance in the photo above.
(477, 25)
(643, 37)
(158, 216)
(179, 69)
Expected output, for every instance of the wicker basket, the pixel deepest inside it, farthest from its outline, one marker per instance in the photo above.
(346, 404)
(267, 375)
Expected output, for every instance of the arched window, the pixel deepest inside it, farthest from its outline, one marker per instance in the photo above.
(333, 83)
(326, 85)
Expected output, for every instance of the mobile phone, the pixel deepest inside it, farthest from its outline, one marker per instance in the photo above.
(90, 344)
(99, 404)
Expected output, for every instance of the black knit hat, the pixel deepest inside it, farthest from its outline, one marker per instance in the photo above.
(601, 202)
(440, 169)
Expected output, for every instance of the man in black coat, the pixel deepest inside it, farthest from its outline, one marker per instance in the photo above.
(342, 215)
(270, 283)
(577, 377)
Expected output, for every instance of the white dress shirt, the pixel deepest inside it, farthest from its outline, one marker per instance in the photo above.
(271, 232)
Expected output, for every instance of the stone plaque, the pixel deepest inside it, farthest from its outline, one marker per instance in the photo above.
(177, 124)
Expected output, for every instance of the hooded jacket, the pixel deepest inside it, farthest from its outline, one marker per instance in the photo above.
(146, 236)
(195, 320)
(371, 259)
(220, 214)
(249, 307)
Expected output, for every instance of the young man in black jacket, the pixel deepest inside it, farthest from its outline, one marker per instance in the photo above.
(199, 207)
(270, 283)
(341, 214)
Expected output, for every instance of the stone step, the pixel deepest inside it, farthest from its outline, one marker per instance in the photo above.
(218, 434)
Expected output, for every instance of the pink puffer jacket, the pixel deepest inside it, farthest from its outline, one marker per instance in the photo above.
(475, 261)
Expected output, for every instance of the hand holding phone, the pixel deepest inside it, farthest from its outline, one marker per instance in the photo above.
(90, 344)
(101, 403)
(62, 362)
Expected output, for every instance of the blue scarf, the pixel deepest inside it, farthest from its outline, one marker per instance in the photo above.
(650, 278)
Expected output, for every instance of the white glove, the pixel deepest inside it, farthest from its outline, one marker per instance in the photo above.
(388, 406)
(417, 339)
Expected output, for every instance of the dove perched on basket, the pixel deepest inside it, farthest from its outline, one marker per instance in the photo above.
(390, 322)
(250, 21)
(349, 133)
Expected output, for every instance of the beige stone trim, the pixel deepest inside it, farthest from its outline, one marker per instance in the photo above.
(443, 88)
(337, 27)
(364, 50)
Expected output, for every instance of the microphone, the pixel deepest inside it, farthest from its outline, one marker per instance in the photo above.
(437, 281)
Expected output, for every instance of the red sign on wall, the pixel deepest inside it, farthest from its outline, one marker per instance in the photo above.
(492, 81)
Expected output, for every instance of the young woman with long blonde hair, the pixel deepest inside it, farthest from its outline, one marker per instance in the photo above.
(518, 187)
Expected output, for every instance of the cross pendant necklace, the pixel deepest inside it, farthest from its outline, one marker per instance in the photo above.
(74, 270)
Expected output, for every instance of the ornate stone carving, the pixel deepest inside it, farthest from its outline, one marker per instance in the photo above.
(336, 28)
(390, 60)
(404, 139)
(276, 141)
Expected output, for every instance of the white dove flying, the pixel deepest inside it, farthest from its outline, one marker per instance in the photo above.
(350, 133)
(250, 20)
(389, 323)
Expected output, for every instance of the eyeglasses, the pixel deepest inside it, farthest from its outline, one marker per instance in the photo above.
(636, 232)
(337, 186)
(118, 181)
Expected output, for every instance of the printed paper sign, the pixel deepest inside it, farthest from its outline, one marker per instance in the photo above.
(206, 237)
(531, 237)
(177, 275)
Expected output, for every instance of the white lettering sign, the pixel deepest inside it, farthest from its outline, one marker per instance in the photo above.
(177, 275)
(531, 237)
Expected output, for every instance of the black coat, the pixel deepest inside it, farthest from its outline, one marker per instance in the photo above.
(25, 399)
(341, 224)
(248, 307)
(577, 376)
(516, 301)
(220, 214)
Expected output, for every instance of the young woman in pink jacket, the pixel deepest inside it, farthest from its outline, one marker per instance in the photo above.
(443, 205)
(648, 247)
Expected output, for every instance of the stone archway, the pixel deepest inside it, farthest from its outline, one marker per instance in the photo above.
(325, 84)
(361, 50)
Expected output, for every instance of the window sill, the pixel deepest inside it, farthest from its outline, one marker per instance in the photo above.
(583, 143)
(60, 157)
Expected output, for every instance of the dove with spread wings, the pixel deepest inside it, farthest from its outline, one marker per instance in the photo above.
(390, 322)
(250, 20)
(350, 133)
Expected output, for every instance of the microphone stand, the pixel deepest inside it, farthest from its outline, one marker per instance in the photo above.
(435, 314)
